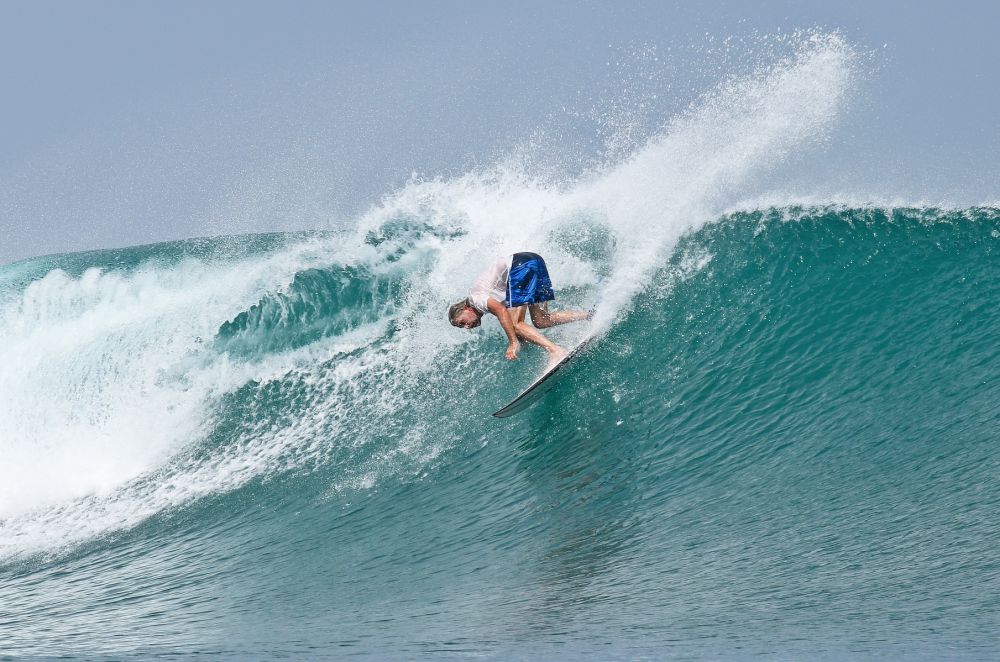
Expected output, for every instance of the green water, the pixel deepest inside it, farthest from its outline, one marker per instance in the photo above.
(784, 446)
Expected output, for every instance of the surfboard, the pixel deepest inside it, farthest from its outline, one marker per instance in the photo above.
(549, 378)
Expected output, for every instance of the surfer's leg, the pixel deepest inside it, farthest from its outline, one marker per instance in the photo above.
(543, 319)
(516, 315)
(530, 334)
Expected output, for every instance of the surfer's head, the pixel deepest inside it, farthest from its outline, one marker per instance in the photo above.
(463, 315)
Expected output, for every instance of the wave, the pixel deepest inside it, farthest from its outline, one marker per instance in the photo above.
(798, 397)
(325, 372)
(785, 426)
(147, 378)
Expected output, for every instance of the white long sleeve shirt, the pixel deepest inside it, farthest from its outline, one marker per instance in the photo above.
(491, 283)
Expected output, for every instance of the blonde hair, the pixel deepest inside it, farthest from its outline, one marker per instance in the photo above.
(457, 307)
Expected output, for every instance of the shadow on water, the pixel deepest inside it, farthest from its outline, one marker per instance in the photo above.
(582, 478)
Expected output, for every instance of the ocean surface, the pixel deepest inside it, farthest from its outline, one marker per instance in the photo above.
(781, 446)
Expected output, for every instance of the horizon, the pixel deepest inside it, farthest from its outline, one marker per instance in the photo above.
(163, 122)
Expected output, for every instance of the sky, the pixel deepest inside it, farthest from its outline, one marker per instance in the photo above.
(126, 123)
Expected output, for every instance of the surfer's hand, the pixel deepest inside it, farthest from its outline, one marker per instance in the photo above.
(512, 351)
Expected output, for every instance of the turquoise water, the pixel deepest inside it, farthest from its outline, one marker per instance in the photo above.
(781, 444)
(785, 448)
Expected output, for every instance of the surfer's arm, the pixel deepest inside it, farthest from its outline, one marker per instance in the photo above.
(500, 311)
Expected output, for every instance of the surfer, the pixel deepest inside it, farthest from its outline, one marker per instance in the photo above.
(510, 287)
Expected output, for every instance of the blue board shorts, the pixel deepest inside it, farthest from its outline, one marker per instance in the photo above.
(528, 281)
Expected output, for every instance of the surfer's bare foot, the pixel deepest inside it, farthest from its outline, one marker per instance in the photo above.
(555, 356)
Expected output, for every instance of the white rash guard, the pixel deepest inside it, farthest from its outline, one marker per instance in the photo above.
(491, 283)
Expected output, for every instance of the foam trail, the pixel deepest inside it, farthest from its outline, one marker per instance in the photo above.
(86, 404)
(138, 390)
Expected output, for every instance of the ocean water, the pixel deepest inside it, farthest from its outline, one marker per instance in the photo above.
(782, 444)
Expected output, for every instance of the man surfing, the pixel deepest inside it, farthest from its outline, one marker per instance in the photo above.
(512, 285)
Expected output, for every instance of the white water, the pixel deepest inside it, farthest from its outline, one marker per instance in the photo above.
(105, 384)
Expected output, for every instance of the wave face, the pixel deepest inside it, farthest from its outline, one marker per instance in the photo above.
(781, 444)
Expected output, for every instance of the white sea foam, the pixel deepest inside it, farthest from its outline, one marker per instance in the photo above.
(86, 403)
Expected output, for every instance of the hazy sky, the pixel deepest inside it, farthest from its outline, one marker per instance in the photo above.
(131, 122)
